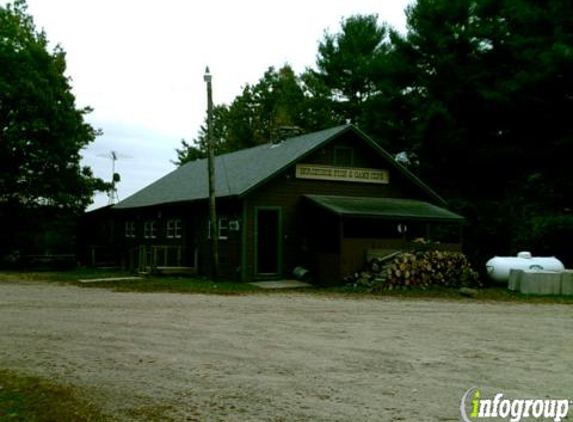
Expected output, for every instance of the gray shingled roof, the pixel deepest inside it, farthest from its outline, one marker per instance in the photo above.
(237, 173)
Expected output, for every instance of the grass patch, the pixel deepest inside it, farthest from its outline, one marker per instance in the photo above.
(492, 293)
(31, 399)
(61, 276)
(191, 285)
(174, 284)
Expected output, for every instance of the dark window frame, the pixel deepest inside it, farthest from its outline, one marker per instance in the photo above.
(348, 161)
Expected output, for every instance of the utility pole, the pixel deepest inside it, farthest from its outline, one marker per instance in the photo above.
(211, 165)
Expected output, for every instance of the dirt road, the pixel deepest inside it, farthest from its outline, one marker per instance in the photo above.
(286, 357)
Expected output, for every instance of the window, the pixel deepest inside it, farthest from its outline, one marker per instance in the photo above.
(130, 229)
(343, 156)
(150, 230)
(174, 229)
(223, 228)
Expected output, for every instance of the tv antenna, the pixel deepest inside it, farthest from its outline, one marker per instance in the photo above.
(115, 177)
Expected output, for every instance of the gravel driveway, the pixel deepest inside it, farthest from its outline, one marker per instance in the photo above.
(283, 357)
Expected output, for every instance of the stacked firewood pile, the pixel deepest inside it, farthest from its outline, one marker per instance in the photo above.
(416, 269)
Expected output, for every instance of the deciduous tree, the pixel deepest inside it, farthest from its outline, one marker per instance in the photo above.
(260, 114)
(42, 132)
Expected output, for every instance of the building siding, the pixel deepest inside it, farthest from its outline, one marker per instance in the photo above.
(286, 191)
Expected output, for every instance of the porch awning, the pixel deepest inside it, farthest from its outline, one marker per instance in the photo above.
(384, 208)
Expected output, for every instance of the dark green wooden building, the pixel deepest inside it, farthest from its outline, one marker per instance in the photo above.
(318, 201)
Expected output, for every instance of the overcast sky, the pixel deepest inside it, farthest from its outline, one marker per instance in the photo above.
(140, 64)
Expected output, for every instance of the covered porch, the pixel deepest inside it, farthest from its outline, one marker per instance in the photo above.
(342, 230)
(164, 259)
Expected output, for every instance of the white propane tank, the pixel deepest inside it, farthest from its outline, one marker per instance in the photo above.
(498, 267)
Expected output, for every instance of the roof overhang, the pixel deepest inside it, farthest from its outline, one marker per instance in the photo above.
(384, 208)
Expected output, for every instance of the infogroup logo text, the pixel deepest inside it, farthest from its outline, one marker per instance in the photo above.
(473, 407)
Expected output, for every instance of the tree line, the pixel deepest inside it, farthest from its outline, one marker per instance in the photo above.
(477, 93)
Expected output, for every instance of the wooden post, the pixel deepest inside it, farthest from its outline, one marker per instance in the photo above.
(211, 167)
